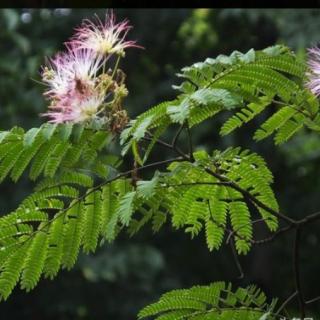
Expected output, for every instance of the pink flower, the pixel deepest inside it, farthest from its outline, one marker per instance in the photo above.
(313, 82)
(77, 82)
(103, 38)
(75, 109)
(56, 77)
(71, 78)
(70, 70)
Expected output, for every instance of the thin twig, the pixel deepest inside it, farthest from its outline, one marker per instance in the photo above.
(309, 218)
(286, 302)
(158, 141)
(166, 145)
(190, 143)
(312, 300)
(274, 235)
(176, 137)
(292, 107)
(236, 259)
(244, 225)
(222, 226)
(195, 184)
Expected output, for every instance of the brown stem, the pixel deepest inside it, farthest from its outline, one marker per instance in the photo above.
(176, 137)
(167, 145)
(274, 235)
(190, 144)
(286, 302)
(236, 259)
(309, 218)
(312, 300)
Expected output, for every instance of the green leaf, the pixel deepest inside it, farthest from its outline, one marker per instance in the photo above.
(142, 128)
(34, 261)
(147, 189)
(65, 131)
(179, 113)
(216, 96)
(30, 136)
(92, 221)
(126, 207)
(217, 301)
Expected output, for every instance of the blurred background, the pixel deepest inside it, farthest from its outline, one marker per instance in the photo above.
(125, 276)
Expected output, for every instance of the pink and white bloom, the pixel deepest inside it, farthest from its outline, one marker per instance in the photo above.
(71, 78)
(54, 75)
(313, 75)
(83, 64)
(68, 70)
(103, 38)
(76, 79)
(75, 109)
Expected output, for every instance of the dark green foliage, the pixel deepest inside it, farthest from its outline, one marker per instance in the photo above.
(216, 301)
(197, 200)
(83, 201)
(47, 148)
(54, 231)
(247, 83)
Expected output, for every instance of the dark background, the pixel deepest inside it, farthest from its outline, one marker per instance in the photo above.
(121, 278)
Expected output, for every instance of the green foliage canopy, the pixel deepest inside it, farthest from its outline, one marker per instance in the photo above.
(82, 198)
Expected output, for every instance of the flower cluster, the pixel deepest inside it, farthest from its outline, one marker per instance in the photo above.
(313, 76)
(79, 87)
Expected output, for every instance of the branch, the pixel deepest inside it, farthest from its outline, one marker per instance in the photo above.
(286, 302)
(158, 141)
(251, 197)
(167, 145)
(312, 300)
(244, 225)
(309, 218)
(195, 184)
(190, 144)
(274, 235)
(176, 137)
(248, 195)
(236, 259)
(222, 226)
(291, 106)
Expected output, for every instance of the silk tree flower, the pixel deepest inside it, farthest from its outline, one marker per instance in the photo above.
(313, 75)
(75, 109)
(103, 38)
(71, 78)
(54, 75)
(78, 82)
(74, 69)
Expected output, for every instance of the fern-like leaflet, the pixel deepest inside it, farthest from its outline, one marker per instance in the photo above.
(48, 148)
(54, 223)
(215, 301)
(242, 83)
(197, 200)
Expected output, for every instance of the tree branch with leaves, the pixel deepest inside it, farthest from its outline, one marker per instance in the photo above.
(83, 197)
